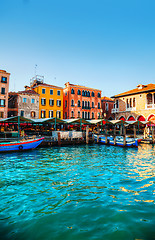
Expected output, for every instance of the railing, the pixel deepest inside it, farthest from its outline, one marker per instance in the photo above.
(148, 106)
(115, 110)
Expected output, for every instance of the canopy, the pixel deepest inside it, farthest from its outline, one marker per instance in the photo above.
(16, 119)
(48, 120)
(76, 121)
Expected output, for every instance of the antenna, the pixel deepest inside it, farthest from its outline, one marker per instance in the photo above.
(35, 69)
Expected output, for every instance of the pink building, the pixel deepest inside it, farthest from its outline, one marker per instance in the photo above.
(81, 102)
(4, 89)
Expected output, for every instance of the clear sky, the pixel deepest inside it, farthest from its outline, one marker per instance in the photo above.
(104, 44)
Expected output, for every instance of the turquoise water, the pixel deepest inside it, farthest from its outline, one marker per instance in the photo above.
(78, 192)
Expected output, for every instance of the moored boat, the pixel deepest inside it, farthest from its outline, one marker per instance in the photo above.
(130, 142)
(21, 145)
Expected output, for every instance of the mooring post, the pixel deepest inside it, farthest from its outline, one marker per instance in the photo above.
(114, 135)
(87, 134)
(59, 139)
(106, 139)
(153, 135)
(124, 137)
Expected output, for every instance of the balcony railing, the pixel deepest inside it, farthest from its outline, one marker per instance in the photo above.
(148, 106)
(114, 110)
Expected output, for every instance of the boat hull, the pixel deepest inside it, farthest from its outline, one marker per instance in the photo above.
(20, 145)
(120, 143)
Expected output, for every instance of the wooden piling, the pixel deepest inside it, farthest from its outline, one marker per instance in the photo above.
(59, 139)
(87, 134)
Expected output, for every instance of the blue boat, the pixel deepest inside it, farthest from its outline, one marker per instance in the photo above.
(130, 142)
(21, 145)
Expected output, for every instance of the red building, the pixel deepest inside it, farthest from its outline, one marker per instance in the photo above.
(107, 105)
(81, 102)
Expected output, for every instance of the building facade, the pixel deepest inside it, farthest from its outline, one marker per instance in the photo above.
(4, 88)
(81, 102)
(136, 104)
(50, 99)
(24, 103)
(107, 105)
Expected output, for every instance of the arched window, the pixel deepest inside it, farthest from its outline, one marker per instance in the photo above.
(83, 115)
(78, 114)
(130, 102)
(88, 105)
(99, 95)
(92, 104)
(72, 103)
(33, 114)
(85, 104)
(88, 94)
(85, 93)
(92, 115)
(92, 94)
(72, 91)
(79, 104)
(117, 103)
(79, 92)
(134, 102)
(98, 105)
(88, 115)
(127, 103)
(72, 114)
(82, 92)
(82, 104)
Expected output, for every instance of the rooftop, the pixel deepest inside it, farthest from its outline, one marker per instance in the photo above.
(78, 86)
(140, 89)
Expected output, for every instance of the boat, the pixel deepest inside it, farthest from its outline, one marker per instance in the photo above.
(20, 145)
(130, 142)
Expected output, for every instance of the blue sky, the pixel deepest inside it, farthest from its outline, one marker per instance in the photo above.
(104, 44)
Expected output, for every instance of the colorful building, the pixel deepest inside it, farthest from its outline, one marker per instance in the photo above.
(81, 102)
(4, 87)
(136, 104)
(50, 100)
(24, 103)
(107, 105)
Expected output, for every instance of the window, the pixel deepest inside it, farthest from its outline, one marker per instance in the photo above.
(72, 103)
(149, 98)
(72, 114)
(98, 105)
(98, 114)
(1, 114)
(51, 114)
(88, 94)
(92, 94)
(99, 95)
(117, 103)
(58, 103)
(79, 92)
(32, 100)
(130, 102)
(83, 115)
(72, 91)
(127, 103)
(88, 105)
(92, 104)
(85, 104)
(83, 93)
(58, 92)
(65, 115)
(88, 115)
(2, 102)
(65, 103)
(82, 104)
(78, 114)
(66, 93)
(43, 101)
(106, 106)
(92, 115)
(43, 90)
(24, 100)
(79, 103)
(4, 79)
(22, 113)
(51, 91)
(33, 114)
(134, 102)
(58, 114)
(51, 102)
(43, 114)
(2, 90)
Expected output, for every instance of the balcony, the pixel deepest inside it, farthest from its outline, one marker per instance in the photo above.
(114, 110)
(150, 106)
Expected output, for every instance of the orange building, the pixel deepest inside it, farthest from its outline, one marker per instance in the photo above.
(136, 104)
(81, 102)
(50, 98)
(4, 87)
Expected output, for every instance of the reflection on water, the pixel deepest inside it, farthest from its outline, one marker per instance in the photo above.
(82, 192)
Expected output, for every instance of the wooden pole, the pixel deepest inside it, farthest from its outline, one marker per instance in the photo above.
(124, 137)
(115, 135)
(87, 134)
(106, 139)
(59, 139)
(153, 140)
(18, 126)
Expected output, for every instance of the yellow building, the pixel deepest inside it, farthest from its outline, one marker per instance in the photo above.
(50, 101)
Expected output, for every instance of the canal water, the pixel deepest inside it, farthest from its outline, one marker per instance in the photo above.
(92, 192)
